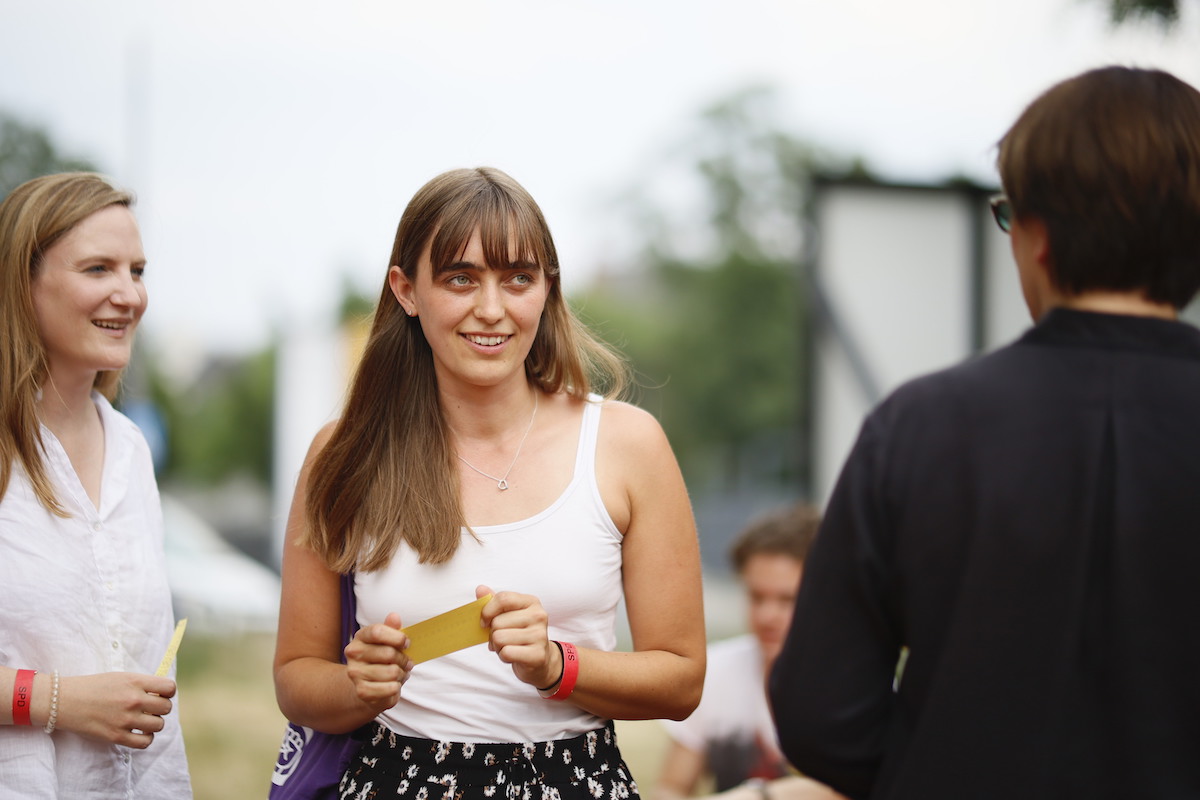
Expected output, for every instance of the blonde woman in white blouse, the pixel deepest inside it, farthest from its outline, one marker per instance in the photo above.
(85, 613)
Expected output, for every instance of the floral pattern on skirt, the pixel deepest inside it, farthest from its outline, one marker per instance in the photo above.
(585, 767)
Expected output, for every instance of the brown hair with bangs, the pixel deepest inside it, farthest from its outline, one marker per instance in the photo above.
(387, 475)
(33, 217)
(1109, 162)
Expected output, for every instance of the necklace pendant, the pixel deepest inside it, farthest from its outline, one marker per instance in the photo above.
(502, 483)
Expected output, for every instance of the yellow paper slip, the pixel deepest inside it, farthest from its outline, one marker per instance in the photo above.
(445, 633)
(169, 657)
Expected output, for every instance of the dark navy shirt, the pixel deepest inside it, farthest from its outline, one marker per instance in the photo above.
(1027, 526)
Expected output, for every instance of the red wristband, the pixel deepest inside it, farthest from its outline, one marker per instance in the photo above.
(570, 674)
(22, 696)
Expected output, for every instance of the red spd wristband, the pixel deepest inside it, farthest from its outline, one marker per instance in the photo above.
(566, 684)
(22, 696)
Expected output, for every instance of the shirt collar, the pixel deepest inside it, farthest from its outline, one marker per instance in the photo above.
(1064, 327)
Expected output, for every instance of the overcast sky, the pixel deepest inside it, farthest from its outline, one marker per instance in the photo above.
(273, 145)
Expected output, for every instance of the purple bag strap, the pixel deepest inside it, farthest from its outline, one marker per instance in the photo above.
(349, 611)
(310, 762)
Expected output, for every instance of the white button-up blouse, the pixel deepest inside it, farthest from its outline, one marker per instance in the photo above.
(84, 595)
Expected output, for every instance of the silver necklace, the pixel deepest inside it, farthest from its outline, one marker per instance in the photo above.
(502, 483)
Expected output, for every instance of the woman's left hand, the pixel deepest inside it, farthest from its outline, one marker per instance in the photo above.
(520, 636)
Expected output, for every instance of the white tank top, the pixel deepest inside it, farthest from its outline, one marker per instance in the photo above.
(569, 556)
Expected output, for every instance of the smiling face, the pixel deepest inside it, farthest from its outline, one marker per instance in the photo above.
(88, 296)
(479, 319)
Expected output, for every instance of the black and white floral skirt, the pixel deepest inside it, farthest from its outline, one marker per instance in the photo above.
(585, 767)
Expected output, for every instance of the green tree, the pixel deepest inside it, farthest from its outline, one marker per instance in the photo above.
(1166, 12)
(27, 151)
(714, 324)
(223, 423)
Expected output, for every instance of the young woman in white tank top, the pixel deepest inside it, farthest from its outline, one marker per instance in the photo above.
(473, 458)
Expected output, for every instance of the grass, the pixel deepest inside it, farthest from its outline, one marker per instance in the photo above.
(232, 726)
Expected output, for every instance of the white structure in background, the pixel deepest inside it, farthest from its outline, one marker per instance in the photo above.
(904, 280)
(218, 588)
(312, 373)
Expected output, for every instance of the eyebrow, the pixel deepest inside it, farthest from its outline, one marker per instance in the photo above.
(454, 266)
(104, 258)
(531, 266)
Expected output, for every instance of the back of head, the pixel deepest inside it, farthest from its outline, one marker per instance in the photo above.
(1109, 162)
(787, 531)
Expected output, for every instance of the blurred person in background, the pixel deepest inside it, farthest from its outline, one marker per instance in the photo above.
(730, 738)
(473, 458)
(85, 612)
(1025, 523)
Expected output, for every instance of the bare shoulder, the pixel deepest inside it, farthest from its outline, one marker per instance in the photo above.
(633, 461)
(325, 433)
(321, 439)
(630, 426)
(632, 447)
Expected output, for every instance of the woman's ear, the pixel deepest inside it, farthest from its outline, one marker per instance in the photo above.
(402, 290)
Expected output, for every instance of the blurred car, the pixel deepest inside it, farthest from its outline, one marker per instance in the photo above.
(216, 586)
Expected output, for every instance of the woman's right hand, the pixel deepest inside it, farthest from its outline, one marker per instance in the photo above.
(377, 664)
(124, 708)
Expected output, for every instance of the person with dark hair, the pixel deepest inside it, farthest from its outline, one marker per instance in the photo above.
(730, 738)
(474, 458)
(86, 614)
(1024, 524)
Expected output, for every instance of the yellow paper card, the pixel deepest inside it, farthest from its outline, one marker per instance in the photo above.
(445, 633)
(169, 657)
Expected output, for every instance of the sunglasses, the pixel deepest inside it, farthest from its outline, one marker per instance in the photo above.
(1002, 212)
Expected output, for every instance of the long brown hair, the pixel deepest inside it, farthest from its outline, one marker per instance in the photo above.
(388, 474)
(33, 217)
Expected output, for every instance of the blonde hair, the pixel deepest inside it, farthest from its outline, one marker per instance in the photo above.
(33, 217)
(388, 474)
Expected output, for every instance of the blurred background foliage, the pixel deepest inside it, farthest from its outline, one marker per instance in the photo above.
(708, 309)
(709, 312)
(711, 316)
(27, 151)
(221, 424)
(1165, 12)
(712, 320)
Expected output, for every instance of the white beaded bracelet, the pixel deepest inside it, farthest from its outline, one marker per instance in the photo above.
(53, 718)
